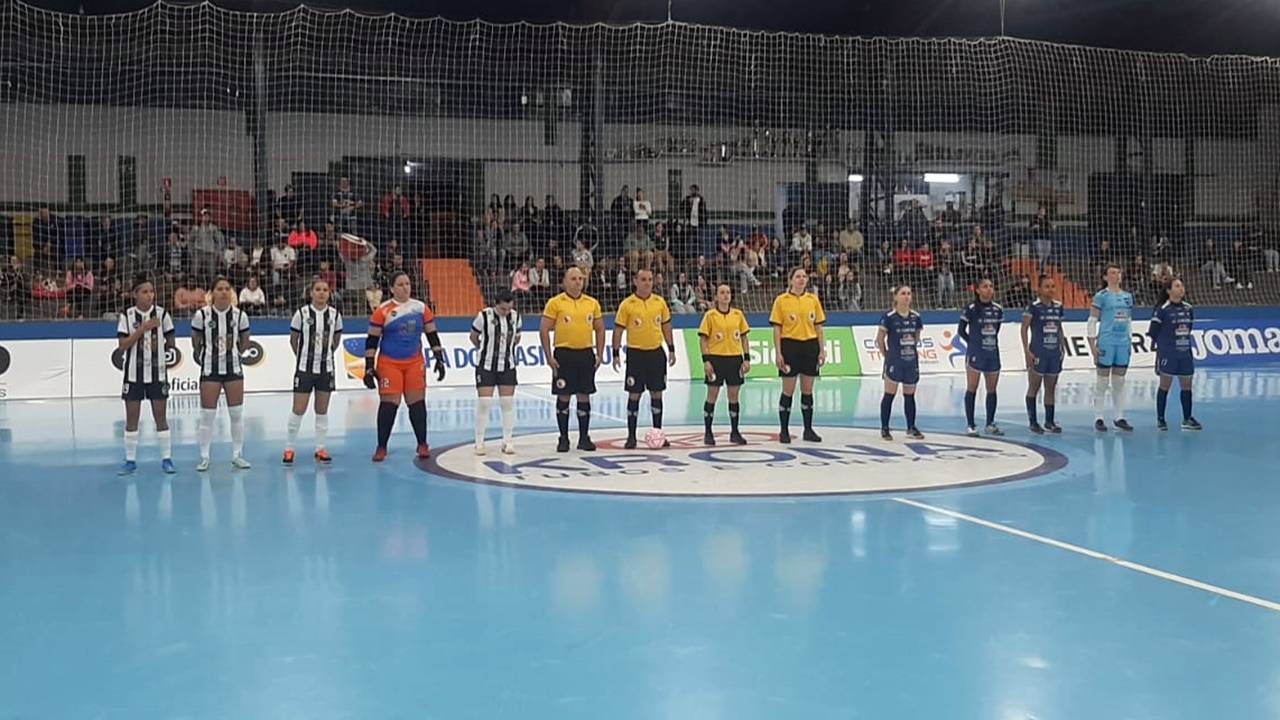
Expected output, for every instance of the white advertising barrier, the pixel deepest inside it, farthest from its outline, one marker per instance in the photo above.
(31, 369)
(269, 365)
(941, 351)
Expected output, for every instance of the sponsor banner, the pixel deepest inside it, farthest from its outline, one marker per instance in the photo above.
(1218, 343)
(842, 355)
(31, 369)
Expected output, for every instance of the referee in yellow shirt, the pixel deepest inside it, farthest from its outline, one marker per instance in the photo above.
(726, 360)
(575, 318)
(646, 319)
(799, 349)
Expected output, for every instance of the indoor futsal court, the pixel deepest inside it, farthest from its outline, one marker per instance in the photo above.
(1106, 576)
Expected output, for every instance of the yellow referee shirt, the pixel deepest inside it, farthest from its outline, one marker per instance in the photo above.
(575, 320)
(797, 315)
(724, 331)
(643, 320)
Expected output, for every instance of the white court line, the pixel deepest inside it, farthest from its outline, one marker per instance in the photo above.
(1128, 564)
(549, 401)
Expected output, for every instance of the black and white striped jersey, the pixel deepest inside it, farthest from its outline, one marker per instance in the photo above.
(221, 331)
(145, 361)
(316, 330)
(499, 336)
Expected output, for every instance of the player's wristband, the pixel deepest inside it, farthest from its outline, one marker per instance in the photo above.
(671, 348)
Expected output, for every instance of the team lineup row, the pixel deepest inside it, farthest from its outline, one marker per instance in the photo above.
(573, 336)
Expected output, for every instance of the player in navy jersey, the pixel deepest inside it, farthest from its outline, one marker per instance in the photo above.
(979, 328)
(898, 339)
(1044, 345)
(1170, 333)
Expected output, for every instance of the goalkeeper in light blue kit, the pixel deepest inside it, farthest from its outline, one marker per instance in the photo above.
(1110, 339)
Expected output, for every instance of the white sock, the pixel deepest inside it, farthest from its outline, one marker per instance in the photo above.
(508, 417)
(130, 445)
(322, 430)
(1117, 395)
(295, 422)
(207, 416)
(237, 430)
(166, 444)
(483, 405)
(1100, 396)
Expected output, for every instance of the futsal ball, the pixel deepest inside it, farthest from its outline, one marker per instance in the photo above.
(655, 439)
(352, 247)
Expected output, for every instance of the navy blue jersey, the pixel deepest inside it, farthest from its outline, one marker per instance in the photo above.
(980, 329)
(902, 337)
(1046, 327)
(1171, 329)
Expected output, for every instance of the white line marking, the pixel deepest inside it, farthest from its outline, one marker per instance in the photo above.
(1127, 564)
(549, 401)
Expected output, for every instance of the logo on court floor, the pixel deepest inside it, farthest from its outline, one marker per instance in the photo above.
(848, 461)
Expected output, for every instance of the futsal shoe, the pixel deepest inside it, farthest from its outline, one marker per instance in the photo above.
(811, 436)
(238, 462)
(630, 444)
(1191, 424)
(1035, 428)
(994, 429)
(914, 433)
(584, 443)
(885, 434)
(203, 465)
(379, 454)
(736, 438)
(1053, 427)
(1124, 425)
(784, 437)
(709, 439)
(480, 450)
(322, 456)
(167, 466)
(562, 445)
(424, 451)
(288, 457)
(1161, 425)
(971, 431)
(508, 448)
(128, 467)
(1100, 425)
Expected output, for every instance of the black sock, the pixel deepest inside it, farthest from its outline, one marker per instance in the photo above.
(708, 414)
(806, 411)
(584, 418)
(386, 421)
(734, 409)
(562, 416)
(655, 408)
(418, 418)
(1186, 404)
(1048, 413)
(1031, 408)
(633, 416)
(1162, 402)
(970, 399)
(991, 408)
(886, 409)
(784, 412)
(909, 406)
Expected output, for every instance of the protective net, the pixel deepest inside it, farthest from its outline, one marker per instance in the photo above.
(190, 142)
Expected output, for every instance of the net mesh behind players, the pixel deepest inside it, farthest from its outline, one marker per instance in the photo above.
(126, 127)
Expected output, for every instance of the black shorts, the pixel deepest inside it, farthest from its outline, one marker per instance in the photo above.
(137, 392)
(726, 369)
(646, 370)
(577, 373)
(801, 356)
(221, 378)
(490, 378)
(309, 382)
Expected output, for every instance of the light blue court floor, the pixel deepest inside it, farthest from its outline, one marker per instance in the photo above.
(1083, 577)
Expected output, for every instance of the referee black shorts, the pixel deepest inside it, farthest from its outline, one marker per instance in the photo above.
(491, 378)
(137, 392)
(725, 370)
(577, 373)
(800, 356)
(306, 383)
(646, 370)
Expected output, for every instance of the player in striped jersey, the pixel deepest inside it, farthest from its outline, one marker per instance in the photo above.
(219, 334)
(495, 333)
(146, 337)
(314, 334)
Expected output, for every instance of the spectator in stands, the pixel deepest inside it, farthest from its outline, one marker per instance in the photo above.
(582, 256)
(394, 213)
(175, 259)
(327, 251)
(515, 247)
(1042, 236)
(951, 214)
(529, 216)
(1105, 255)
(801, 243)
(702, 269)
(848, 289)
(239, 273)
(284, 284)
(494, 207)
(852, 242)
(105, 241)
(695, 218)
(188, 296)
(344, 207)
(1159, 248)
(521, 284)
(540, 281)
(903, 262)
(622, 280)
(642, 209)
(360, 283)
(946, 280)
(46, 235)
(288, 207)
(111, 297)
(971, 262)
(923, 259)
(989, 256)
(1211, 264)
(1161, 280)
(638, 248)
(484, 248)
(207, 245)
(663, 252)
(554, 227)
(1241, 264)
(253, 299)
(232, 256)
(776, 258)
(304, 241)
(48, 294)
(510, 211)
(914, 221)
(79, 289)
(602, 279)
(702, 289)
(682, 297)
(1019, 294)
(621, 217)
(884, 258)
(15, 288)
